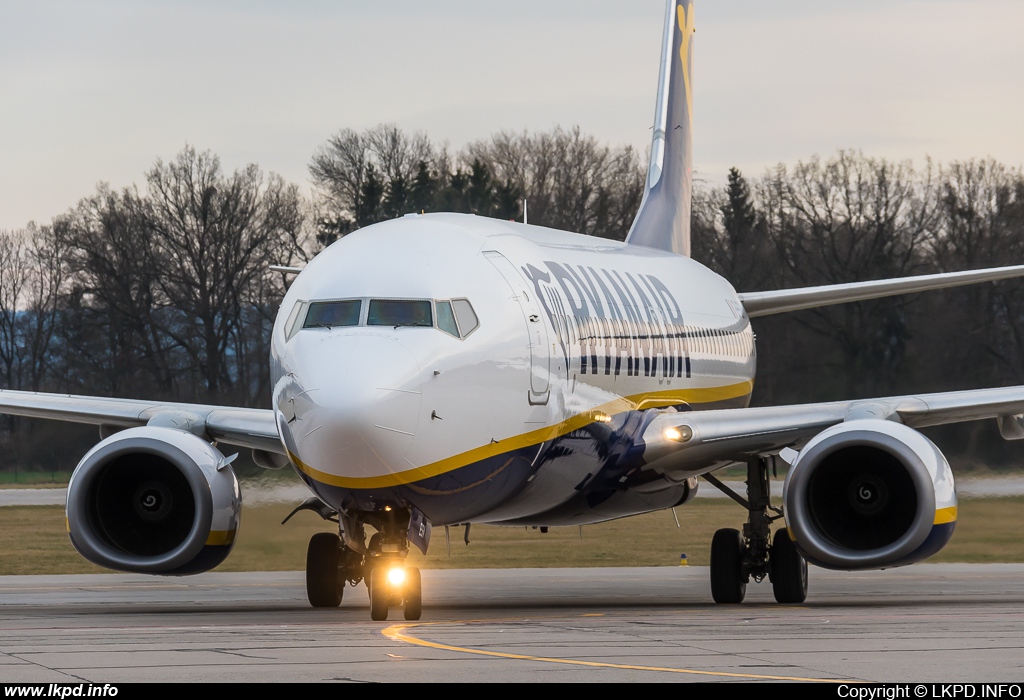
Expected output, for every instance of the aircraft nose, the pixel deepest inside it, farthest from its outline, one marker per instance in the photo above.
(359, 414)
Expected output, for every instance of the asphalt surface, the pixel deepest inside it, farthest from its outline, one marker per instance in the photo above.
(927, 623)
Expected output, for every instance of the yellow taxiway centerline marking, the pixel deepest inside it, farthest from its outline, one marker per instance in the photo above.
(397, 633)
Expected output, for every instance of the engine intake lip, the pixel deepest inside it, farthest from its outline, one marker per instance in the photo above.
(97, 546)
(823, 549)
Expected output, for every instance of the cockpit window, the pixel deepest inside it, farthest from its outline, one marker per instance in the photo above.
(445, 318)
(466, 316)
(291, 326)
(452, 316)
(328, 314)
(386, 312)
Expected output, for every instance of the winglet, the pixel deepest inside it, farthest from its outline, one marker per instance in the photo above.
(663, 221)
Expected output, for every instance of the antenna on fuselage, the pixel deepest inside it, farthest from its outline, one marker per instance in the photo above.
(524, 210)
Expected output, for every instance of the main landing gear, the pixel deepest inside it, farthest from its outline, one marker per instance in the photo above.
(737, 557)
(331, 565)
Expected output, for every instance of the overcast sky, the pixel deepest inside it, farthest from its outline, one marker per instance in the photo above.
(96, 91)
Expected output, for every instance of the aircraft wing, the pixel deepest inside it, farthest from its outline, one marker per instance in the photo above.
(783, 300)
(708, 439)
(245, 427)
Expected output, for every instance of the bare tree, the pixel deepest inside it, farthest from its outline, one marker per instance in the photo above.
(14, 277)
(48, 258)
(856, 218)
(355, 173)
(397, 154)
(570, 181)
(115, 295)
(845, 219)
(981, 206)
(213, 238)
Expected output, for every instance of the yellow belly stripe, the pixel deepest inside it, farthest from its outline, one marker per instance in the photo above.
(534, 437)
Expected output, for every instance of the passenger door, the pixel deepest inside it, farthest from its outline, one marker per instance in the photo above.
(536, 329)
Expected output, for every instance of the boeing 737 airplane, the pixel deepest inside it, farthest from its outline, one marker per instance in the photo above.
(447, 369)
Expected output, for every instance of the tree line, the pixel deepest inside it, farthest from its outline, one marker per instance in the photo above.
(162, 290)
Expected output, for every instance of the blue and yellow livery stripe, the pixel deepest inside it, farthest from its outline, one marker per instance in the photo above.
(945, 515)
(534, 437)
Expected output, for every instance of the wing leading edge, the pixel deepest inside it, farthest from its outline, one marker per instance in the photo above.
(784, 300)
(727, 435)
(245, 427)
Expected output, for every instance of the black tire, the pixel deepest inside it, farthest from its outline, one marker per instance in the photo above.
(323, 587)
(787, 570)
(379, 594)
(413, 594)
(728, 584)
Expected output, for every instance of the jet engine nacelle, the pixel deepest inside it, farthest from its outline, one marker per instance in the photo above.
(154, 500)
(869, 494)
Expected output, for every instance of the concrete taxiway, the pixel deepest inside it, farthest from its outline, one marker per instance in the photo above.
(921, 623)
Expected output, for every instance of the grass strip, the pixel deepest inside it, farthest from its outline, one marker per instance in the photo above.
(33, 540)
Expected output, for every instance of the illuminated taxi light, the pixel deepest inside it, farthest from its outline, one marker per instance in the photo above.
(396, 576)
(681, 433)
(602, 417)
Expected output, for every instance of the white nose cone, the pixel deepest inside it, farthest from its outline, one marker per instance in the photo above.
(361, 409)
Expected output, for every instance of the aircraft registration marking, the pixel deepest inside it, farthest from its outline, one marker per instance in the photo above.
(398, 633)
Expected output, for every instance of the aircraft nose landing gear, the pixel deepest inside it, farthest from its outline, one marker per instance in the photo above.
(332, 564)
(390, 582)
(394, 584)
(736, 557)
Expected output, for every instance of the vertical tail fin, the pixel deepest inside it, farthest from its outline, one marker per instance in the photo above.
(663, 221)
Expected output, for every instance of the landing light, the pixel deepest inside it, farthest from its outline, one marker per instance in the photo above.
(396, 576)
(683, 433)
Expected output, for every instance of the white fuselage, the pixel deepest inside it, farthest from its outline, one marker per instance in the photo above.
(532, 415)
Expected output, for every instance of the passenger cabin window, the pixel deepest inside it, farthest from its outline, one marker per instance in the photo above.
(328, 314)
(386, 312)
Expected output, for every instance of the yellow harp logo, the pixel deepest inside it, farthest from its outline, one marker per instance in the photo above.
(686, 28)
